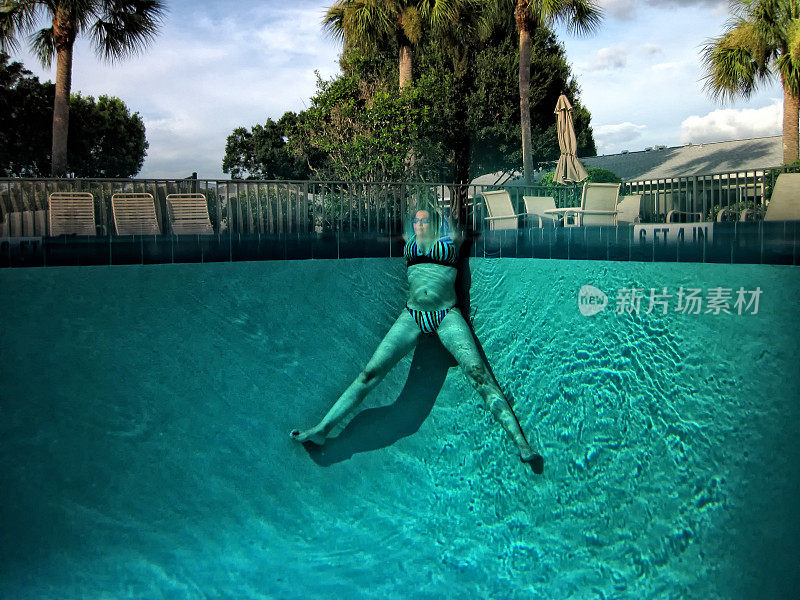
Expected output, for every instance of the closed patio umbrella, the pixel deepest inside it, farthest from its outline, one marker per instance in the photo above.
(569, 167)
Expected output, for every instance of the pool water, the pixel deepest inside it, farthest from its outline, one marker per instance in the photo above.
(145, 411)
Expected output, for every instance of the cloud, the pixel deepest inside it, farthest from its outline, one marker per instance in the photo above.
(733, 124)
(625, 10)
(667, 66)
(620, 9)
(609, 58)
(652, 49)
(611, 138)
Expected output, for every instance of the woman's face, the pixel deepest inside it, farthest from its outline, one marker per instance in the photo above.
(423, 228)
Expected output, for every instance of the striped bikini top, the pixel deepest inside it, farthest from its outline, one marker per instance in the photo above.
(443, 252)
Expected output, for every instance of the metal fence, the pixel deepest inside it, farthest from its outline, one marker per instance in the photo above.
(705, 195)
(269, 207)
(276, 207)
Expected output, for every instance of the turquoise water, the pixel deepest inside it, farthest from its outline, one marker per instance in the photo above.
(144, 414)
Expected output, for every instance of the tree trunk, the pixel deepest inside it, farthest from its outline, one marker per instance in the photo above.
(405, 66)
(791, 126)
(525, 101)
(460, 190)
(64, 34)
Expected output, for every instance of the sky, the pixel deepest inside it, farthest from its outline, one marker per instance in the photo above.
(221, 64)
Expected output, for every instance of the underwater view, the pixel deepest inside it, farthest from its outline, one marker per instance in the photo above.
(145, 414)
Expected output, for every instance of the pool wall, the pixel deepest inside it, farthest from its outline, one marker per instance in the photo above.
(145, 411)
(760, 242)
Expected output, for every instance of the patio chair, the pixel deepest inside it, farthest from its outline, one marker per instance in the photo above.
(683, 216)
(537, 206)
(784, 204)
(188, 214)
(134, 214)
(629, 209)
(727, 214)
(598, 206)
(71, 213)
(501, 211)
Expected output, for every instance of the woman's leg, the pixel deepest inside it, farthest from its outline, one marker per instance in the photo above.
(402, 337)
(456, 336)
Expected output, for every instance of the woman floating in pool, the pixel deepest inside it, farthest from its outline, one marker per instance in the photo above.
(430, 308)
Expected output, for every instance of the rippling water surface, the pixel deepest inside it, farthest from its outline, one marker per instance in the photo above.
(144, 414)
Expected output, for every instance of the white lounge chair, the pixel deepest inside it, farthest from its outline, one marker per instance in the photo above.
(784, 204)
(629, 209)
(501, 211)
(71, 213)
(598, 206)
(537, 207)
(134, 214)
(188, 214)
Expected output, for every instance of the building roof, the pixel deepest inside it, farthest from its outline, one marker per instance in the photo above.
(693, 159)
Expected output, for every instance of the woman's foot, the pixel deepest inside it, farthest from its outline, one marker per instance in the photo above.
(309, 435)
(535, 460)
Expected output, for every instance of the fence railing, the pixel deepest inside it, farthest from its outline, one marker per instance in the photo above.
(276, 207)
(269, 207)
(705, 195)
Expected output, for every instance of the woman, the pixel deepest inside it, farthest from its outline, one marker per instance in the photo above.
(430, 308)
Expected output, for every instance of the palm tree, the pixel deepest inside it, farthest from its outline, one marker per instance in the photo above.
(118, 28)
(377, 23)
(762, 39)
(580, 16)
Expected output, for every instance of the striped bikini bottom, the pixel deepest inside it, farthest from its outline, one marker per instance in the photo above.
(428, 320)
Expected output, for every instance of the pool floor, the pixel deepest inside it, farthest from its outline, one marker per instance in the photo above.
(145, 411)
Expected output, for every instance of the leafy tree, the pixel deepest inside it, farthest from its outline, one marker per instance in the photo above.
(493, 113)
(581, 16)
(106, 141)
(762, 40)
(264, 152)
(117, 27)
(362, 132)
(472, 83)
(25, 121)
(461, 118)
(370, 25)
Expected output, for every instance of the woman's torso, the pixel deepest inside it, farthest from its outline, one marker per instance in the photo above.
(431, 273)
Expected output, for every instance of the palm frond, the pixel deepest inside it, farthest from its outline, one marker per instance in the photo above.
(333, 21)
(578, 16)
(756, 44)
(410, 21)
(370, 22)
(126, 27)
(582, 16)
(793, 39)
(43, 45)
(443, 13)
(731, 69)
(493, 13)
(16, 18)
(789, 68)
